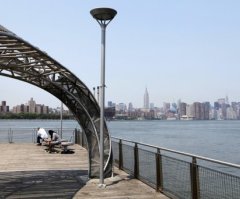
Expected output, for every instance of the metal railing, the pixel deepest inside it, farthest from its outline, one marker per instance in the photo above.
(29, 135)
(174, 173)
(80, 138)
(10, 135)
(177, 174)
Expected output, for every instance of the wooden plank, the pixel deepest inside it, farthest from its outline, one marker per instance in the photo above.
(27, 171)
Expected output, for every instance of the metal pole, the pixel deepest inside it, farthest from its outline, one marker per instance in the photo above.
(102, 98)
(98, 94)
(103, 17)
(61, 117)
(94, 92)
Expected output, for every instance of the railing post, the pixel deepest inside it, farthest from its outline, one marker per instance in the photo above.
(80, 138)
(83, 138)
(159, 173)
(120, 159)
(76, 137)
(194, 178)
(136, 161)
(33, 136)
(10, 135)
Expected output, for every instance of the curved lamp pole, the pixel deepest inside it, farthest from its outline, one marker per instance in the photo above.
(103, 16)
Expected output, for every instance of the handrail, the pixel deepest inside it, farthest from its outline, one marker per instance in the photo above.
(182, 153)
(30, 133)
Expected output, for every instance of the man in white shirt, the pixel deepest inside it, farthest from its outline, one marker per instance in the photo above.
(41, 134)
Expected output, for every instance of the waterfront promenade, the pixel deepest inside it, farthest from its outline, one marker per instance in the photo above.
(27, 171)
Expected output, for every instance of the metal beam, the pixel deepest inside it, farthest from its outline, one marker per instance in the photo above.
(21, 60)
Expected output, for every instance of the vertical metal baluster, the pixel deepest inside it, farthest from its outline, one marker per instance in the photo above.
(136, 161)
(120, 160)
(194, 178)
(8, 137)
(159, 172)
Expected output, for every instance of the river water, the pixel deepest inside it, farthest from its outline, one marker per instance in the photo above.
(213, 139)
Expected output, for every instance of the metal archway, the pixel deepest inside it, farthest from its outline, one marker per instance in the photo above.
(21, 60)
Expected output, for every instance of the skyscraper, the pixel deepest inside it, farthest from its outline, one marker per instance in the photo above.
(146, 100)
(32, 106)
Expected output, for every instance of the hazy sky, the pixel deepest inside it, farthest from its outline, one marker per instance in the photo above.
(186, 49)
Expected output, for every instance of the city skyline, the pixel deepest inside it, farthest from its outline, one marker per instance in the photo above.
(222, 109)
(30, 106)
(182, 50)
(146, 102)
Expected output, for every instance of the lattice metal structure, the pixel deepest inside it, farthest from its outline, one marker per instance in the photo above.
(23, 61)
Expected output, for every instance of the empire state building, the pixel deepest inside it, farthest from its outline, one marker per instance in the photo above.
(146, 100)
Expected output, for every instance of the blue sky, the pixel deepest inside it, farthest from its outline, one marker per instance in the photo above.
(186, 50)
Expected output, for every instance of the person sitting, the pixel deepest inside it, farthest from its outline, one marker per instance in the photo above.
(54, 136)
(54, 140)
(41, 135)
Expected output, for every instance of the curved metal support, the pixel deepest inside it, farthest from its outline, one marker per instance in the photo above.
(21, 60)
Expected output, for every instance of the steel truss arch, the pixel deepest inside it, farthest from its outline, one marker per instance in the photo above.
(23, 61)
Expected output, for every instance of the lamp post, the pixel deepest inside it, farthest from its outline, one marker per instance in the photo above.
(103, 16)
(61, 117)
(94, 92)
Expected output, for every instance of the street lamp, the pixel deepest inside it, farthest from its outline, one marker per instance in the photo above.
(103, 16)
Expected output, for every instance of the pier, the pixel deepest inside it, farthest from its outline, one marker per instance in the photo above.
(28, 171)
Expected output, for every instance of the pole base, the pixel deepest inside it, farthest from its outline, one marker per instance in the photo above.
(102, 186)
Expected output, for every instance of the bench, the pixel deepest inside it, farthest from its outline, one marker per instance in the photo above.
(50, 145)
(62, 144)
(65, 146)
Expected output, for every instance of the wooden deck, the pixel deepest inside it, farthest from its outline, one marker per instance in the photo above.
(28, 171)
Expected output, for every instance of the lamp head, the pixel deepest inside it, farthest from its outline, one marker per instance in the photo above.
(103, 14)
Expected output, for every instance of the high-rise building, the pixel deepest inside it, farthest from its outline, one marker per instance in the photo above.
(216, 105)
(182, 109)
(4, 108)
(166, 106)
(146, 100)
(226, 100)
(130, 107)
(4, 103)
(45, 109)
(197, 110)
(38, 108)
(110, 104)
(32, 106)
(206, 111)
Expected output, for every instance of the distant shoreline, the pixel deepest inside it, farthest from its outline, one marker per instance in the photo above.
(34, 116)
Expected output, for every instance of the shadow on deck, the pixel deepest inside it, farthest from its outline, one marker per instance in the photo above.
(27, 171)
(41, 184)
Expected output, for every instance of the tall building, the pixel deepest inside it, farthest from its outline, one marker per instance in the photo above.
(32, 106)
(38, 108)
(130, 107)
(182, 109)
(226, 100)
(110, 104)
(45, 109)
(207, 108)
(166, 107)
(3, 107)
(146, 100)
(216, 105)
(197, 110)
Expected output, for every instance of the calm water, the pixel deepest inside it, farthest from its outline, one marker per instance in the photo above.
(214, 139)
